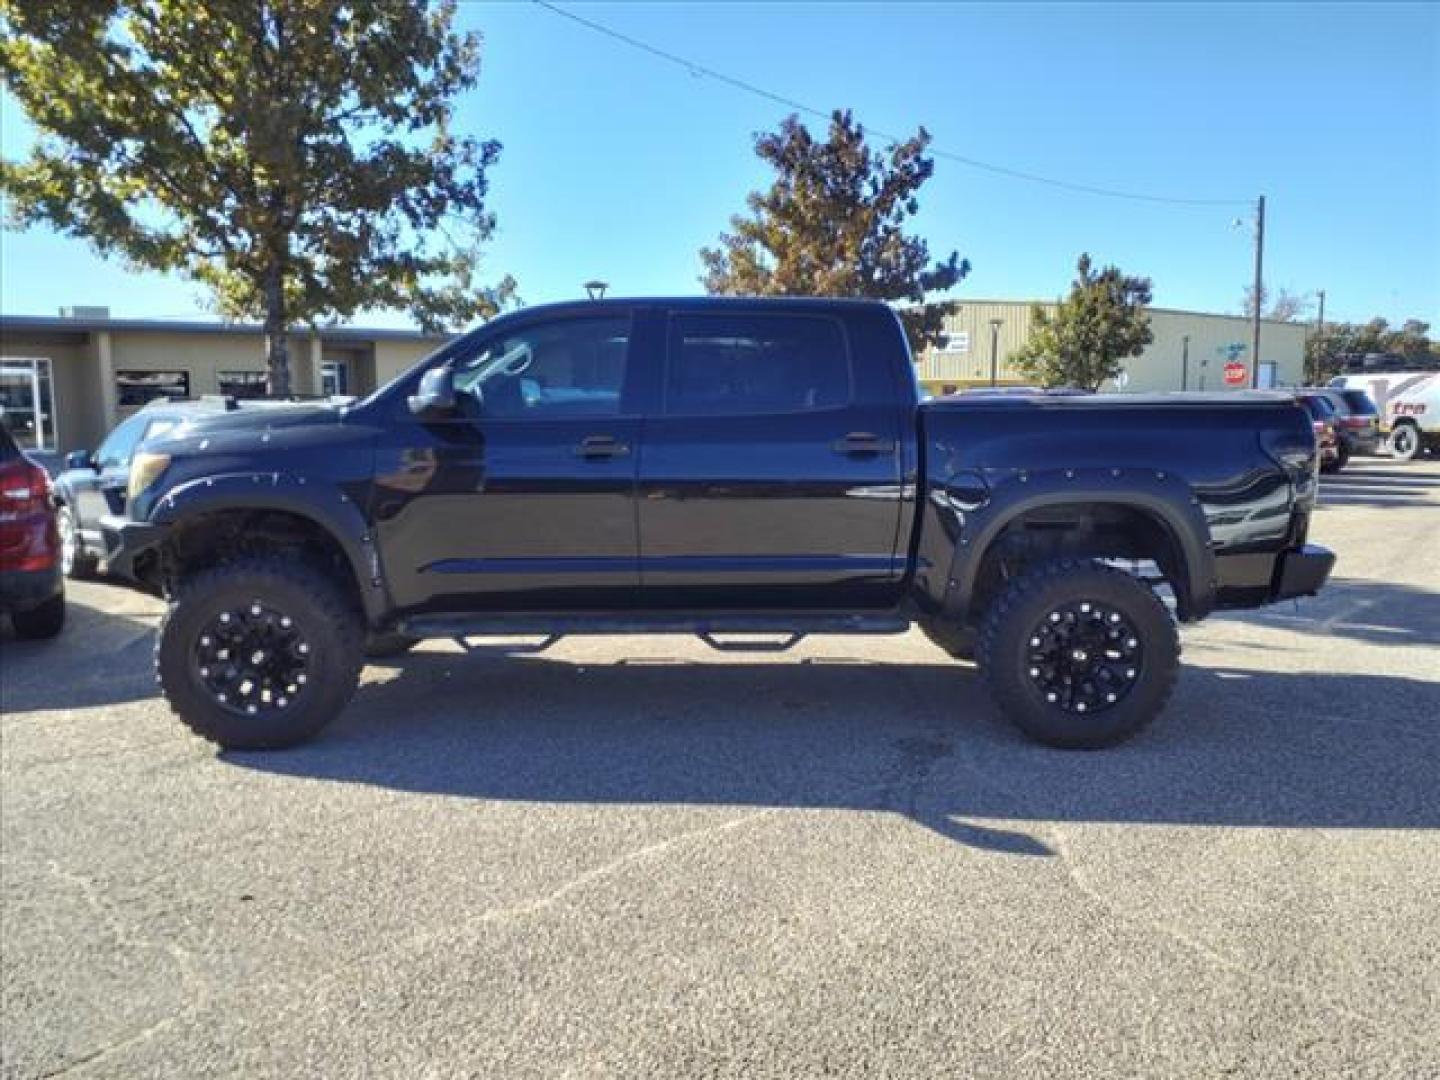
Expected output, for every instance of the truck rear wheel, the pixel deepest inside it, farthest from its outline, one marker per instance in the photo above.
(259, 653)
(1405, 442)
(1079, 655)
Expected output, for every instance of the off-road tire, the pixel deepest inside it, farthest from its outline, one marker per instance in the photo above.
(325, 618)
(1003, 652)
(79, 564)
(385, 646)
(45, 621)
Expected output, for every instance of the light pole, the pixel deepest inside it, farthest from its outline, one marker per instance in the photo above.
(596, 289)
(995, 350)
(1185, 362)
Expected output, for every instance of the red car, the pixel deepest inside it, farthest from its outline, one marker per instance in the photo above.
(1326, 423)
(31, 585)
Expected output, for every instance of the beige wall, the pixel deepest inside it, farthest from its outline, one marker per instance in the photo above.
(393, 357)
(1157, 369)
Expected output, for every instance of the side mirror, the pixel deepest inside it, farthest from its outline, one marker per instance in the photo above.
(436, 393)
(79, 459)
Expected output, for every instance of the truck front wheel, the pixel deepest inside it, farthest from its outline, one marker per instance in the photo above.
(1078, 655)
(259, 653)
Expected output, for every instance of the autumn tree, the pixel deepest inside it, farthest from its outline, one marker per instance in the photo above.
(1086, 339)
(1284, 306)
(298, 157)
(833, 223)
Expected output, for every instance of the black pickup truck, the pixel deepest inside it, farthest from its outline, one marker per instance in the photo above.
(713, 466)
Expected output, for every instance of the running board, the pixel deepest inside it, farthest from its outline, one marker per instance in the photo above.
(791, 627)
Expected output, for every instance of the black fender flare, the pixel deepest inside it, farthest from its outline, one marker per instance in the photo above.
(325, 506)
(1160, 495)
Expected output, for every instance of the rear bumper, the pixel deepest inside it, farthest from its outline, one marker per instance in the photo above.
(21, 590)
(126, 540)
(1362, 442)
(1302, 572)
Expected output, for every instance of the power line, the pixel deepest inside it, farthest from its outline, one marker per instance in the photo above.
(701, 70)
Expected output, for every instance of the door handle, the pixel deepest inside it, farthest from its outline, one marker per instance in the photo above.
(859, 443)
(597, 447)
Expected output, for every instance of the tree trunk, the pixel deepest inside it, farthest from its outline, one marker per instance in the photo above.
(277, 338)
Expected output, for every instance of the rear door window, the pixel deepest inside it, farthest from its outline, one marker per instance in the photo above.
(746, 365)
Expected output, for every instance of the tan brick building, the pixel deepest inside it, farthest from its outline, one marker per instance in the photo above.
(66, 380)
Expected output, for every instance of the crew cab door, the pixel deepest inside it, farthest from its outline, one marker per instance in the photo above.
(771, 469)
(524, 498)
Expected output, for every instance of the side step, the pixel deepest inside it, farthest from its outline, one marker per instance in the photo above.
(792, 627)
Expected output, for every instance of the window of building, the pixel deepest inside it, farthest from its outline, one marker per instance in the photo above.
(570, 368)
(134, 389)
(334, 377)
(242, 384)
(748, 364)
(27, 404)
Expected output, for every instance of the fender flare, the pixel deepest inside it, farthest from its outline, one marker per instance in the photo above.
(324, 506)
(1162, 496)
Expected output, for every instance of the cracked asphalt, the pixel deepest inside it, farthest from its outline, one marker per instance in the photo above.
(638, 857)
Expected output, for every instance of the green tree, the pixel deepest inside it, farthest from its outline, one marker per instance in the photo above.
(297, 157)
(833, 223)
(1091, 332)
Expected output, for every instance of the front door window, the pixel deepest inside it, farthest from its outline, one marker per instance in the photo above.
(27, 407)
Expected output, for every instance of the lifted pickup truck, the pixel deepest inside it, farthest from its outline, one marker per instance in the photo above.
(713, 466)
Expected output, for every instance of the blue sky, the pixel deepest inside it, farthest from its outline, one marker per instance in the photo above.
(619, 165)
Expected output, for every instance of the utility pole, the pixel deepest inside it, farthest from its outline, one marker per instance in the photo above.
(1259, 290)
(1185, 362)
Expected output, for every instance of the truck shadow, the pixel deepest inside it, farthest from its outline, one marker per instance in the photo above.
(1235, 748)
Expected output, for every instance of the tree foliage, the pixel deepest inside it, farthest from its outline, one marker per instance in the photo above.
(833, 223)
(296, 156)
(1337, 346)
(1092, 331)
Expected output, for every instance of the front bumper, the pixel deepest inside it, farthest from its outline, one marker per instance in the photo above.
(1302, 571)
(126, 540)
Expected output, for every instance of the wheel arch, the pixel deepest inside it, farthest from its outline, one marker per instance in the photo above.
(1101, 521)
(246, 512)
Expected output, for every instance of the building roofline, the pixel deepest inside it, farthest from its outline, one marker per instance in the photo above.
(62, 323)
(1151, 307)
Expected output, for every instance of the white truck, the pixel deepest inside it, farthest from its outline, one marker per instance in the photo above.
(1409, 404)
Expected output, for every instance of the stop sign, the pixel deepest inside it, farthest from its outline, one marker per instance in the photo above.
(1234, 374)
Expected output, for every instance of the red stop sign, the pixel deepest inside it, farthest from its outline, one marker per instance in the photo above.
(1234, 374)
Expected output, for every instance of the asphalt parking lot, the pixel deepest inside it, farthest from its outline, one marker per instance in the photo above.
(639, 857)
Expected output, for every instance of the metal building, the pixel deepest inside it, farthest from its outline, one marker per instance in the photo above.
(1191, 350)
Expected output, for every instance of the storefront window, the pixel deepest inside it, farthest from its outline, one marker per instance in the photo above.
(242, 384)
(135, 389)
(27, 406)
